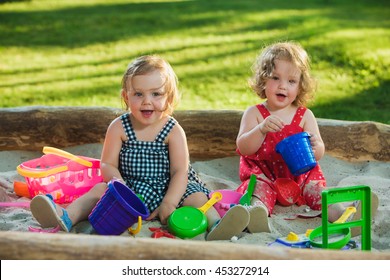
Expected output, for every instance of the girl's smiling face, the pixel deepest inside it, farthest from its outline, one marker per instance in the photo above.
(283, 86)
(146, 97)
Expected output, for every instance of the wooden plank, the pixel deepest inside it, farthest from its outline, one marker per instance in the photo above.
(210, 134)
(26, 245)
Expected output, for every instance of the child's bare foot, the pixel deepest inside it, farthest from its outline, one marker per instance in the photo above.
(336, 210)
(355, 231)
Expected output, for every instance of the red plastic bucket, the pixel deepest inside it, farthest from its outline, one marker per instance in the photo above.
(117, 210)
(297, 153)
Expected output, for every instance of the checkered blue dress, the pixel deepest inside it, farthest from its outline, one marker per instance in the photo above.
(145, 166)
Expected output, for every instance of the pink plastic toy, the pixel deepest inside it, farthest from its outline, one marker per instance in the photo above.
(229, 197)
(42, 230)
(24, 204)
(61, 174)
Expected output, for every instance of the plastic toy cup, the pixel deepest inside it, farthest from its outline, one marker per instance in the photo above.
(297, 153)
(229, 197)
(117, 210)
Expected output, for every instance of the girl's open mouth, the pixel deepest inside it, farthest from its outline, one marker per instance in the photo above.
(281, 96)
(146, 113)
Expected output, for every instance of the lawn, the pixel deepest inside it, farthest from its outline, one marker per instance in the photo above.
(73, 53)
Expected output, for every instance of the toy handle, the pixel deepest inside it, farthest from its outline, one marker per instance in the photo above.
(15, 204)
(348, 212)
(39, 174)
(246, 197)
(61, 153)
(216, 196)
(138, 229)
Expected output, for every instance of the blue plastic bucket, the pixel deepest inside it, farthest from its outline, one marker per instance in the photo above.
(297, 153)
(117, 210)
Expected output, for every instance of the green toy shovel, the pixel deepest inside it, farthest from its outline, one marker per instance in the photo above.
(246, 197)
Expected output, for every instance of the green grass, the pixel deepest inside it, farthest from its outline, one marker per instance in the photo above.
(73, 53)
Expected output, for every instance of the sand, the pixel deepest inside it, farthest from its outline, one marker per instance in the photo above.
(222, 174)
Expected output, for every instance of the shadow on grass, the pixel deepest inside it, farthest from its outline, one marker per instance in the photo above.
(81, 26)
(370, 104)
(10, 1)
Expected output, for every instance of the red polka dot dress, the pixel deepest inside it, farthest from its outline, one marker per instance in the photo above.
(268, 165)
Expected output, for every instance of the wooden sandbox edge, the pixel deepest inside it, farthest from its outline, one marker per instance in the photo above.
(210, 133)
(25, 245)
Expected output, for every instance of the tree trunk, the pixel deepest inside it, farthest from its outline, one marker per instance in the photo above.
(210, 134)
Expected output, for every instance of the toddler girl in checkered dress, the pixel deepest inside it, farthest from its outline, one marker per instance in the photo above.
(146, 149)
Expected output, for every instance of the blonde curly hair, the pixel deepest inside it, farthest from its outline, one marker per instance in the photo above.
(265, 64)
(146, 64)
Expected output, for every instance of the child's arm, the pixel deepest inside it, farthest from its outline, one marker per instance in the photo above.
(110, 153)
(179, 161)
(253, 129)
(310, 125)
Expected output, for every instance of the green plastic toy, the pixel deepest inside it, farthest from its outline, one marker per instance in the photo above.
(188, 221)
(344, 194)
(246, 197)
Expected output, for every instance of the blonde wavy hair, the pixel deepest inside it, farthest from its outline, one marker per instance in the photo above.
(146, 64)
(265, 64)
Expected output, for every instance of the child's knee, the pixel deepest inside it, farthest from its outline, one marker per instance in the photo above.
(98, 190)
(196, 199)
(312, 194)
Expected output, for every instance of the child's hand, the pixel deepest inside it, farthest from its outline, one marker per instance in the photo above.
(271, 124)
(314, 142)
(163, 212)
